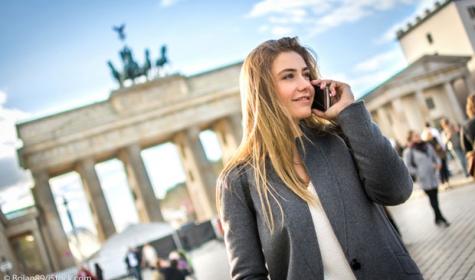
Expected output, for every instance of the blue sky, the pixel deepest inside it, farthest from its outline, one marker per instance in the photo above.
(53, 54)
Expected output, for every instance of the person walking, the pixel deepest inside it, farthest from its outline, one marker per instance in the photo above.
(467, 133)
(422, 161)
(443, 171)
(149, 256)
(172, 272)
(99, 272)
(302, 196)
(452, 140)
(133, 262)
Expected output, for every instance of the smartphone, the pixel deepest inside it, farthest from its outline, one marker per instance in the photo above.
(321, 99)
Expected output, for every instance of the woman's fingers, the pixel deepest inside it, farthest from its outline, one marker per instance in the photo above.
(333, 86)
(319, 113)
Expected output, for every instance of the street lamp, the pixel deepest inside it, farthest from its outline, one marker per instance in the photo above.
(73, 226)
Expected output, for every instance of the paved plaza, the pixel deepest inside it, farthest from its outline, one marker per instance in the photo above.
(441, 253)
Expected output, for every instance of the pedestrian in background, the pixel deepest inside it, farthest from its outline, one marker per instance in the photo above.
(172, 272)
(439, 150)
(156, 273)
(149, 256)
(467, 133)
(452, 141)
(98, 271)
(133, 261)
(422, 161)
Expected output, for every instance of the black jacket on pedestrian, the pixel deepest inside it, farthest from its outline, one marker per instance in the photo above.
(172, 273)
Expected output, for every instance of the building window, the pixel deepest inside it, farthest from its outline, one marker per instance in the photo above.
(429, 38)
(430, 103)
(471, 11)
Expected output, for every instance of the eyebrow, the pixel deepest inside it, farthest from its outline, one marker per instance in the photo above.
(291, 70)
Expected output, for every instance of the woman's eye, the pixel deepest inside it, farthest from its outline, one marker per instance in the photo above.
(307, 75)
(288, 76)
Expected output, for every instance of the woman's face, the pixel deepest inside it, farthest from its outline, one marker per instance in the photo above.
(415, 137)
(292, 80)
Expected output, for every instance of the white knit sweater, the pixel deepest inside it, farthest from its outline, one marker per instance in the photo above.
(335, 265)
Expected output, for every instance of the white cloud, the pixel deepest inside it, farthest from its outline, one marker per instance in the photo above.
(3, 97)
(375, 70)
(319, 15)
(16, 197)
(371, 72)
(168, 3)
(281, 31)
(8, 117)
(269, 7)
(263, 28)
(14, 181)
(378, 61)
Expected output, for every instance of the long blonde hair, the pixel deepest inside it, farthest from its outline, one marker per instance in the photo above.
(263, 140)
(470, 107)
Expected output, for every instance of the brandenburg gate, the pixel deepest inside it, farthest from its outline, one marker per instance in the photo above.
(174, 108)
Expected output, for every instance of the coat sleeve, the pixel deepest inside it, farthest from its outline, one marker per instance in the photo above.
(383, 174)
(241, 236)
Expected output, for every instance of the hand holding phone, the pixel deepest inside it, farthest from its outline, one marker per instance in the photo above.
(332, 99)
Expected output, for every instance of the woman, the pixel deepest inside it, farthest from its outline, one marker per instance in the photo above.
(467, 134)
(294, 201)
(452, 140)
(440, 153)
(423, 162)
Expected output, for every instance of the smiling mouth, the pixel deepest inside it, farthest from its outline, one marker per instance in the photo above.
(303, 98)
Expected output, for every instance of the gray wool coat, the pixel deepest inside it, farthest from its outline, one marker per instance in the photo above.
(426, 173)
(351, 192)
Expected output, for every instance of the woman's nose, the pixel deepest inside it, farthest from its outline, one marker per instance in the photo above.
(304, 83)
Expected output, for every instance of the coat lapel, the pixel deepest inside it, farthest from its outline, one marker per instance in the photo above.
(300, 227)
(325, 179)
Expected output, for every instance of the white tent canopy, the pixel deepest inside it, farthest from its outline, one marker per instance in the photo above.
(112, 253)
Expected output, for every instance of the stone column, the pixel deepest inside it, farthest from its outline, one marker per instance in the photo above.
(58, 245)
(5, 247)
(422, 104)
(384, 122)
(412, 111)
(92, 187)
(200, 177)
(148, 206)
(236, 124)
(468, 83)
(400, 123)
(42, 250)
(228, 135)
(459, 115)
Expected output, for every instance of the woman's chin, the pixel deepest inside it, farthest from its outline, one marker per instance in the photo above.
(303, 115)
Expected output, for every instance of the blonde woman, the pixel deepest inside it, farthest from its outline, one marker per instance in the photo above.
(467, 133)
(294, 200)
